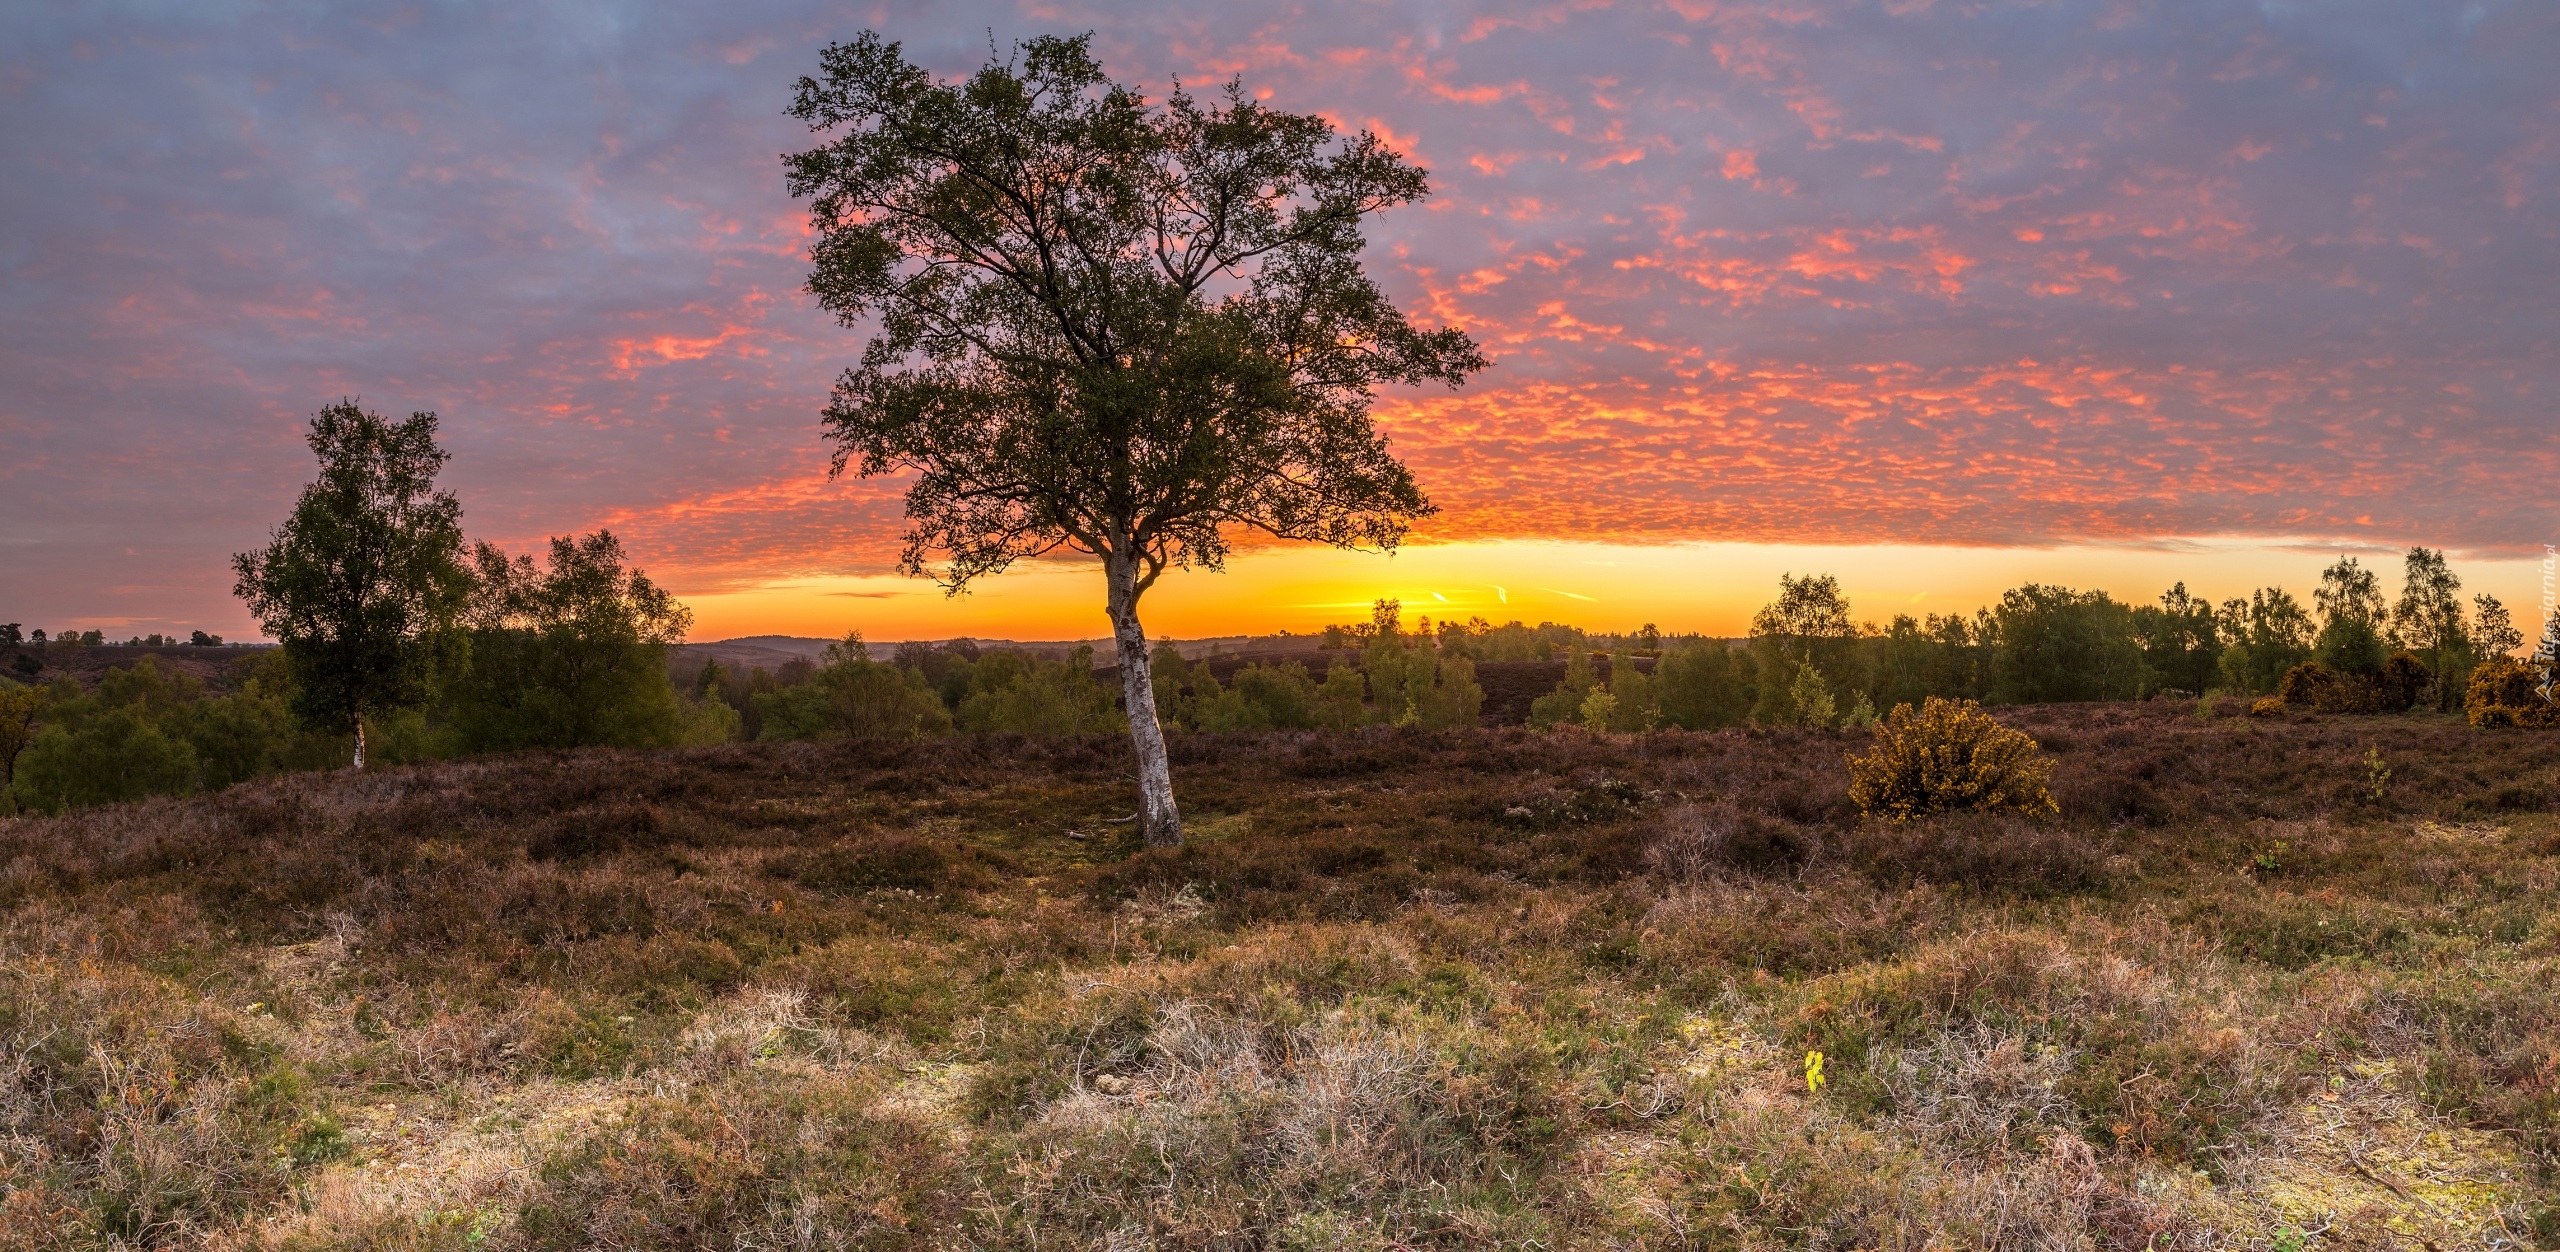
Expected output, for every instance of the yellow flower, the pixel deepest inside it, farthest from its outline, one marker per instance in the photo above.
(1813, 1072)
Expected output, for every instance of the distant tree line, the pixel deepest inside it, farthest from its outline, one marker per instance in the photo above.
(1808, 662)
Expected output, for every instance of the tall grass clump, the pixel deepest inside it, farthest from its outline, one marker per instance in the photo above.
(1949, 757)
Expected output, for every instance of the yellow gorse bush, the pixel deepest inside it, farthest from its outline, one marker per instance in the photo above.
(1949, 756)
(2504, 691)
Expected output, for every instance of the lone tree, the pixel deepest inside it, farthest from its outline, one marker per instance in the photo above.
(364, 582)
(1105, 324)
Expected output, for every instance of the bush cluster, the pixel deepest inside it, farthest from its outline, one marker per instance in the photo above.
(2508, 692)
(1949, 757)
(149, 731)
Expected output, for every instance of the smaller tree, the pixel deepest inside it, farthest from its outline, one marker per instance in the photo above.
(2262, 637)
(1341, 699)
(852, 696)
(1808, 624)
(2429, 621)
(1698, 688)
(1637, 704)
(2352, 619)
(363, 583)
(1564, 704)
(2493, 633)
(569, 656)
(1809, 701)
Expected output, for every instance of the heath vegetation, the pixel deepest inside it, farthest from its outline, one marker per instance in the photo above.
(1403, 987)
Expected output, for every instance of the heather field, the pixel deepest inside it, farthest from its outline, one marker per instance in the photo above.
(2264, 983)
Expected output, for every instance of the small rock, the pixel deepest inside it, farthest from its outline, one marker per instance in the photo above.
(1518, 811)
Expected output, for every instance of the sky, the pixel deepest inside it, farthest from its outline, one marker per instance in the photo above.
(1939, 297)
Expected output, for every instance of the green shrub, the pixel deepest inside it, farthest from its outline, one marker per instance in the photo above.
(1263, 697)
(1025, 695)
(1698, 686)
(1342, 700)
(1809, 698)
(1949, 757)
(1564, 704)
(115, 754)
(853, 697)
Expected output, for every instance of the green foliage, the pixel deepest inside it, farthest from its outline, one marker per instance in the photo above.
(2304, 683)
(1598, 710)
(1180, 687)
(1808, 624)
(1861, 715)
(2493, 633)
(1017, 694)
(1204, 366)
(2403, 682)
(1564, 704)
(147, 731)
(2429, 620)
(852, 696)
(1263, 697)
(1809, 701)
(2349, 645)
(1341, 701)
(2059, 644)
(1635, 704)
(1479, 640)
(569, 655)
(2263, 637)
(363, 582)
(101, 755)
(20, 705)
(1207, 366)
(1699, 685)
(1412, 682)
(2181, 641)
(2352, 619)
(1950, 756)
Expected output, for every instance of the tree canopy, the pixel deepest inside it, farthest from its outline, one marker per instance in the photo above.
(363, 582)
(568, 655)
(1106, 324)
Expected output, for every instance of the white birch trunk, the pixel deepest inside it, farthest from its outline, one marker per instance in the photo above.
(1157, 816)
(359, 743)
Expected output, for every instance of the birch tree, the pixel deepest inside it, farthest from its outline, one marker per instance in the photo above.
(364, 582)
(1107, 325)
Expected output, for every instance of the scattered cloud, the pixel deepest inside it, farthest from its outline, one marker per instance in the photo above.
(1806, 272)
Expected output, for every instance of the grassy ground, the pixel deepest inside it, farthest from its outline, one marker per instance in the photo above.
(1404, 990)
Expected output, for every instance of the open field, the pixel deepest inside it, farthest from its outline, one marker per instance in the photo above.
(1405, 990)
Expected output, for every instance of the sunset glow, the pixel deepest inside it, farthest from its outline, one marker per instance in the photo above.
(1936, 298)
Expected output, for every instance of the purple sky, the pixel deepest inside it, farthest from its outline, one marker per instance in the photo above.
(1970, 274)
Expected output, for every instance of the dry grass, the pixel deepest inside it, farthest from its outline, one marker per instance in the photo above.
(1404, 990)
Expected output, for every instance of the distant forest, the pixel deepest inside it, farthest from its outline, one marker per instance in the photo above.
(582, 651)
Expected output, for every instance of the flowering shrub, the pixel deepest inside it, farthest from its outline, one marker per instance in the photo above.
(2508, 692)
(1949, 756)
